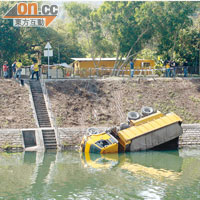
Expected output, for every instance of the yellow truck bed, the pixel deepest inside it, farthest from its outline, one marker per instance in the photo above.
(146, 125)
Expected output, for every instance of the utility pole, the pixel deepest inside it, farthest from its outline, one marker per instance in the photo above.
(198, 46)
(48, 53)
(199, 58)
(58, 53)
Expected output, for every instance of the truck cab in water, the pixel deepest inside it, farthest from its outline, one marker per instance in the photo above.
(153, 131)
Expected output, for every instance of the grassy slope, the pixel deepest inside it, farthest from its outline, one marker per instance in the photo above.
(102, 103)
(15, 107)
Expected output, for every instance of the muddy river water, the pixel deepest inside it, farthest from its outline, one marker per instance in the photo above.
(70, 175)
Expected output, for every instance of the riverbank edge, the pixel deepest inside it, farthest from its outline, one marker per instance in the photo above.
(13, 140)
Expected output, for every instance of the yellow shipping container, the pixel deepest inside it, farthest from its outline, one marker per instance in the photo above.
(85, 66)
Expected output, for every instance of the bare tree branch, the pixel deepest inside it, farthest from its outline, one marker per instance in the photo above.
(131, 49)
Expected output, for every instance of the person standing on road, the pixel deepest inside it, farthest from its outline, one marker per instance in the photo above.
(167, 66)
(185, 70)
(132, 67)
(31, 70)
(173, 65)
(35, 70)
(5, 69)
(18, 69)
(14, 68)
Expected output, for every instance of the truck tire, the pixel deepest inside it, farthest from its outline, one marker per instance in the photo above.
(92, 131)
(133, 116)
(147, 111)
(123, 126)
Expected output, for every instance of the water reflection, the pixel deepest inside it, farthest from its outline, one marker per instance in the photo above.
(70, 175)
(98, 161)
(151, 163)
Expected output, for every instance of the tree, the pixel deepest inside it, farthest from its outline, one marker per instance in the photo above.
(9, 36)
(119, 28)
(167, 19)
(123, 30)
(26, 43)
(162, 21)
(88, 29)
(187, 48)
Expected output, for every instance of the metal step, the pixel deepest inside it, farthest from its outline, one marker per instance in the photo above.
(45, 126)
(48, 138)
(43, 117)
(52, 132)
(41, 108)
(38, 95)
(51, 146)
(48, 130)
(44, 122)
(36, 91)
(48, 133)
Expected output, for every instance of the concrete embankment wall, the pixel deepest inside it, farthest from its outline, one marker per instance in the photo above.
(12, 139)
(191, 135)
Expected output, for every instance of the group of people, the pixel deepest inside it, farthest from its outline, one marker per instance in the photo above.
(17, 69)
(171, 67)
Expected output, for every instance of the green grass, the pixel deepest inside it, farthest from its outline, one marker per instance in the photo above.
(194, 99)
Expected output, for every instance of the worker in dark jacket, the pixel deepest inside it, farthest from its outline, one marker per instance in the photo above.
(132, 67)
(185, 68)
(173, 66)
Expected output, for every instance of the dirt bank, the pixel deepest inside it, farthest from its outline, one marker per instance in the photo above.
(15, 107)
(102, 103)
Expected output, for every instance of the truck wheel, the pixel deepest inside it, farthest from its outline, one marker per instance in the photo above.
(147, 111)
(133, 116)
(123, 126)
(92, 131)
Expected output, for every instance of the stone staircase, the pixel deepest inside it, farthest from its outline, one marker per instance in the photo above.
(42, 115)
(49, 139)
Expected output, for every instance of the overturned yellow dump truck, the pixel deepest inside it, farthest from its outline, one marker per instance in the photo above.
(153, 131)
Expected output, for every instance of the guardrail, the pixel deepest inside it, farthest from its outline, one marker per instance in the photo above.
(101, 72)
(58, 73)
